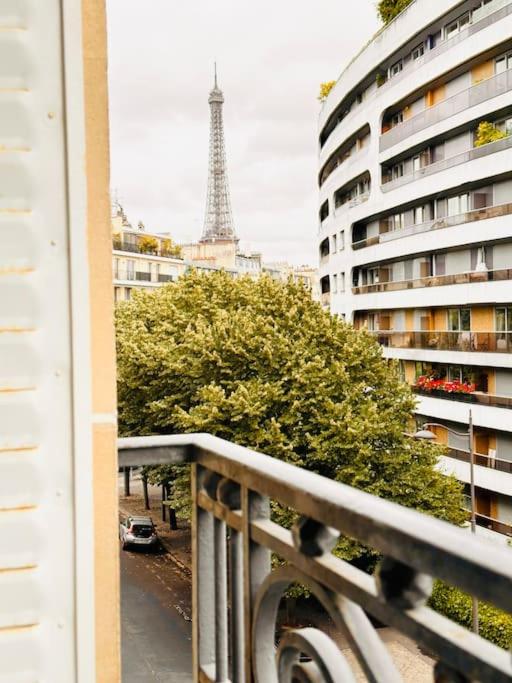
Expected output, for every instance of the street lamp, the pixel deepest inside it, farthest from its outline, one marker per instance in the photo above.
(426, 435)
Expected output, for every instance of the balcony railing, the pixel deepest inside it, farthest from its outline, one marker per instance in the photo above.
(140, 275)
(436, 224)
(483, 342)
(162, 277)
(476, 153)
(476, 397)
(482, 460)
(236, 593)
(436, 281)
(493, 524)
(485, 90)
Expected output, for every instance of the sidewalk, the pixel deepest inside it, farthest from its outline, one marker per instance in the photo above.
(175, 543)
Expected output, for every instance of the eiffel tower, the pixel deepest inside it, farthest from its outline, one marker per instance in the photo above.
(218, 222)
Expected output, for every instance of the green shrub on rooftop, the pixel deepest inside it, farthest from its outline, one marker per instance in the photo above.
(389, 9)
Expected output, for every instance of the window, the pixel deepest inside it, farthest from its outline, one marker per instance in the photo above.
(503, 62)
(397, 118)
(128, 293)
(342, 240)
(418, 51)
(396, 68)
(397, 221)
(458, 204)
(334, 287)
(457, 26)
(342, 282)
(504, 319)
(117, 294)
(440, 264)
(419, 215)
(324, 210)
(459, 319)
(397, 171)
(130, 270)
(116, 268)
(416, 164)
(504, 126)
(334, 244)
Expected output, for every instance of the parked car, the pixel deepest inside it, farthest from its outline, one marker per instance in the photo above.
(138, 531)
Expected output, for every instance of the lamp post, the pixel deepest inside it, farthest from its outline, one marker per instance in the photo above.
(427, 435)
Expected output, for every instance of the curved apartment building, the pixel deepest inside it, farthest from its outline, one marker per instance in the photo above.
(415, 221)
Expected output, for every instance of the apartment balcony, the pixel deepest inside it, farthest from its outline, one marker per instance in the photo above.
(465, 157)
(485, 90)
(162, 277)
(436, 224)
(485, 16)
(476, 397)
(436, 281)
(142, 277)
(360, 199)
(493, 342)
(236, 592)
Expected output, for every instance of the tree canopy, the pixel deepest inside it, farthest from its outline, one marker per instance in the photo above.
(389, 9)
(261, 364)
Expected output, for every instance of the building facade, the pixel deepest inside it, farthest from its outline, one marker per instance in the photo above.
(141, 260)
(415, 232)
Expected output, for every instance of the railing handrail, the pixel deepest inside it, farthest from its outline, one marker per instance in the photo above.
(484, 213)
(468, 277)
(232, 485)
(450, 162)
(407, 535)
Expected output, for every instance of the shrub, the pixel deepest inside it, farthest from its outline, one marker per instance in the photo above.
(486, 133)
(389, 9)
(148, 245)
(325, 89)
(169, 248)
(494, 625)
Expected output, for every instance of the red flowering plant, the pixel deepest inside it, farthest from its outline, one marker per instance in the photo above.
(426, 383)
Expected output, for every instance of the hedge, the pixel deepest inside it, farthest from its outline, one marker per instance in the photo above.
(494, 625)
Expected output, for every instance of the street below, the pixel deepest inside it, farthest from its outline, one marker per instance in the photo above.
(156, 630)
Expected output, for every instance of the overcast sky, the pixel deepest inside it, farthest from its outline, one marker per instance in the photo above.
(271, 57)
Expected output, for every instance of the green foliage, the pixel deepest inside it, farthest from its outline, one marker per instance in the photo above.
(494, 624)
(325, 89)
(169, 248)
(389, 9)
(486, 133)
(259, 363)
(148, 245)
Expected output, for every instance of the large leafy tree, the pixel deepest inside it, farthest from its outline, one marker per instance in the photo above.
(259, 363)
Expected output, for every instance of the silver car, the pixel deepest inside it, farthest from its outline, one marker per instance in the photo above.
(138, 531)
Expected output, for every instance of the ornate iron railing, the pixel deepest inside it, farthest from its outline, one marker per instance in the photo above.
(236, 594)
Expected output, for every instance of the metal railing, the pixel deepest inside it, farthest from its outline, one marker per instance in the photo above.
(436, 224)
(436, 281)
(483, 342)
(142, 276)
(476, 397)
(464, 157)
(236, 593)
(480, 92)
(482, 460)
(162, 277)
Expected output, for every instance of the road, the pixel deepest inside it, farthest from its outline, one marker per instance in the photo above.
(155, 620)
